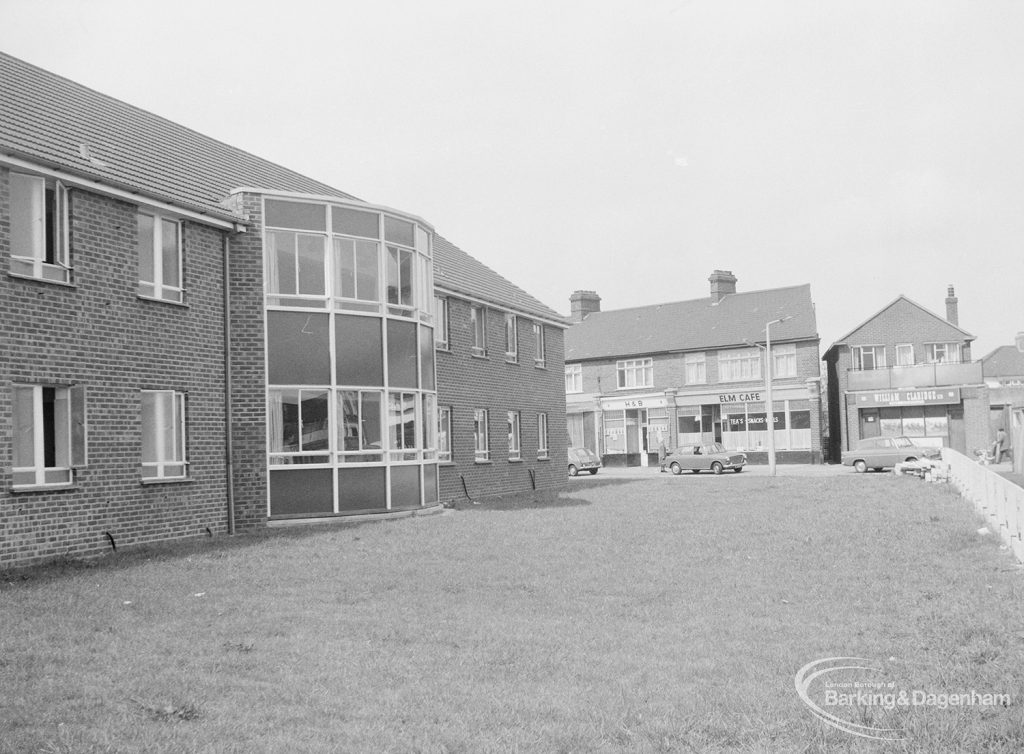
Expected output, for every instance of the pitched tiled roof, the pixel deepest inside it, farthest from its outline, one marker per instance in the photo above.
(51, 120)
(694, 325)
(458, 272)
(966, 335)
(1005, 361)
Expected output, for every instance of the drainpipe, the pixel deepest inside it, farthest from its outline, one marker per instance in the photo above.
(228, 416)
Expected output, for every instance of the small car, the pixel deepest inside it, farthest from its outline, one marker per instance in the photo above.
(583, 459)
(713, 457)
(885, 452)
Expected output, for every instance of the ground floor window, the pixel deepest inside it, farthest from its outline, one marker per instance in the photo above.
(515, 450)
(542, 435)
(49, 434)
(745, 426)
(444, 434)
(907, 421)
(163, 435)
(481, 440)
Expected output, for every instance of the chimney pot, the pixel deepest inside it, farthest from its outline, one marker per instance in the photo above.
(583, 303)
(723, 282)
(952, 313)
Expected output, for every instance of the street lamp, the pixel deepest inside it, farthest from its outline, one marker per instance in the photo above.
(770, 413)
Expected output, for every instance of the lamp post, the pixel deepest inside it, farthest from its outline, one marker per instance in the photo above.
(770, 412)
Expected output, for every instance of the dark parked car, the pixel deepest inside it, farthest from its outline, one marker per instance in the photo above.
(696, 458)
(582, 459)
(885, 452)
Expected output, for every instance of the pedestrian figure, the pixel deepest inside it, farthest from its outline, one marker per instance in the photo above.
(999, 446)
(661, 455)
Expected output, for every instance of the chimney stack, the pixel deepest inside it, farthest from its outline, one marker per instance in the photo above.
(584, 303)
(722, 282)
(952, 314)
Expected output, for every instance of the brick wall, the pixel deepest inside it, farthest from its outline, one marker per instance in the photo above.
(98, 333)
(466, 382)
(248, 368)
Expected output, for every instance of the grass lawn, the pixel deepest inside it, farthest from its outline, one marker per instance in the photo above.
(663, 614)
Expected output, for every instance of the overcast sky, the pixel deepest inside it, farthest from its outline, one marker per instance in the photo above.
(870, 149)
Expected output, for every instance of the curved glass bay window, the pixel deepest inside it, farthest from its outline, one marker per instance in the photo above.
(351, 392)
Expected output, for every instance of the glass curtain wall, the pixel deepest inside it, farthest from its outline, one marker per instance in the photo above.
(351, 393)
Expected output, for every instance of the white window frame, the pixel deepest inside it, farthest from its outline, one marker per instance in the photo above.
(478, 324)
(858, 357)
(950, 353)
(441, 322)
(70, 447)
(695, 368)
(481, 439)
(634, 373)
(156, 288)
(540, 357)
(573, 378)
(740, 365)
(511, 337)
(515, 443)
(542, 436)
(33, 262)
(905, 348)
(784, 360)
(172, 460)
(444, 434)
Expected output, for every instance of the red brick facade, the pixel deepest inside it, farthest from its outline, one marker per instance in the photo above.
(906, 324)
(99, 334)
(467, 382)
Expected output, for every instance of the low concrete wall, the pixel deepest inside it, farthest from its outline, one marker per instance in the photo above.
(998, 499)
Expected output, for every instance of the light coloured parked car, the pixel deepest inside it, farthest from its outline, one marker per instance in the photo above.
(713, 457)
(582, 459)
(885, 452)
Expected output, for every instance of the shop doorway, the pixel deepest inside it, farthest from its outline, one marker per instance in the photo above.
(869, 424)
(711, 422)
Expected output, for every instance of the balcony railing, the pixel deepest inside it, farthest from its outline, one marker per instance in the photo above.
(918, 375)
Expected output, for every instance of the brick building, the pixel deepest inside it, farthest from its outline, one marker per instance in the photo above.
(907, 371)
(1003, 370)
(196, 340)
(694, 371)
(499, 374)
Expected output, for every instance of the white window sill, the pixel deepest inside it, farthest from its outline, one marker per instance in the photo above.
(165, 480)
(48, 281)
(180, 304)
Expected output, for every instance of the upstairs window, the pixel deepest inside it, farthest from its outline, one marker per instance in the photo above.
(540, 358)
(163, 435)
(441, 322)
(159, 245)
(943, 353)
(635, 373)
(511, 337)
(478, 325)
(784, 360)
(739, 365)
(695, 366)
(574, 378)
(905, 355)
(296, 269)
(40, 239)
(866, 358)
(49, 434)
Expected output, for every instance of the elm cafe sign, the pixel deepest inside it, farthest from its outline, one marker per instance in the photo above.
(908, 397)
